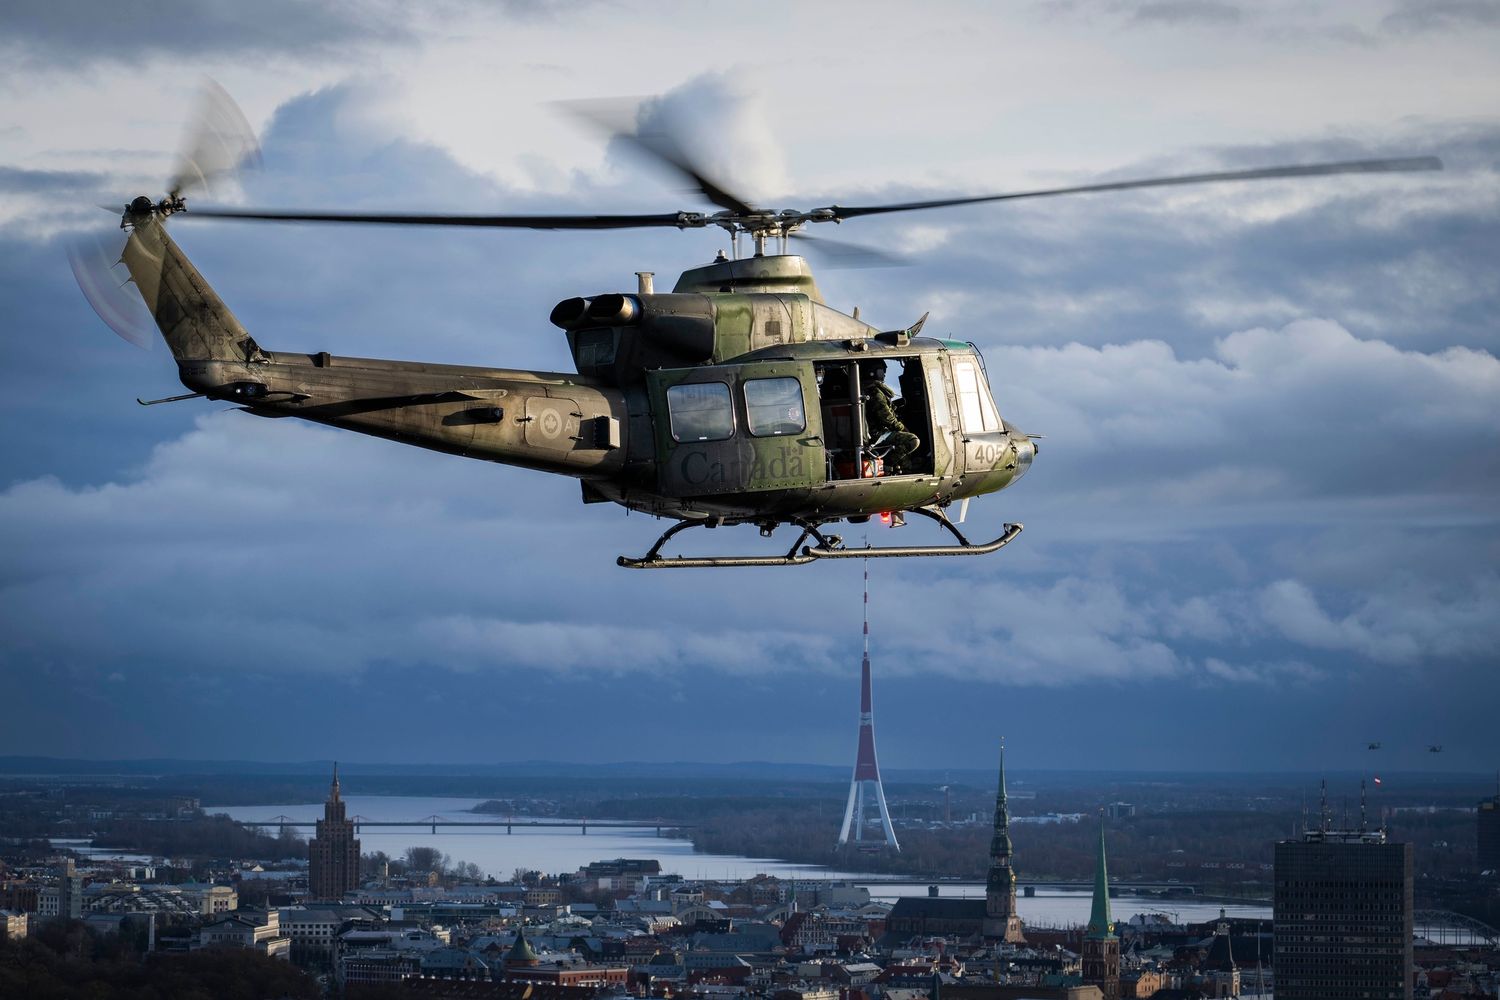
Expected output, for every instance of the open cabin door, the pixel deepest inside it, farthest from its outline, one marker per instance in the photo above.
(737, 428)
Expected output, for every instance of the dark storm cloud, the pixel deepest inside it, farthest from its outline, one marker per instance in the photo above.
(1385, 255)
(18, 180)
(1421, 16)
(68, 382)
(1351, 24)
(1176, 12)
(45, 33)
(1274, 507)
(49, 31)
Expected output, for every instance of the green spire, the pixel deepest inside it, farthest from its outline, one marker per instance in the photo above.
(1000, 842)
(1101, 927)
(521, 953)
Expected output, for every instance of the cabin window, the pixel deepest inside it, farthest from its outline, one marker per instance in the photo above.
(773, 406)
(937, 392)
(974, 399)
(700, 411)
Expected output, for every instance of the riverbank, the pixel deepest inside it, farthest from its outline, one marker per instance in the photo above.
(560, 851)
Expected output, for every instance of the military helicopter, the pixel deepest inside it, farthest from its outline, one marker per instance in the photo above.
(737, 398)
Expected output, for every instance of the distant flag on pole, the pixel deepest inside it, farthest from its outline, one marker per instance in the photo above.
(1377, 779)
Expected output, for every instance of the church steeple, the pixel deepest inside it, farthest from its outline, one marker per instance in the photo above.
(1000, 917)
(1100, 925)
(1101, 946)
(1000, 843)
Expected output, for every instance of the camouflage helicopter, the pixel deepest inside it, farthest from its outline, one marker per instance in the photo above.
(739, 397)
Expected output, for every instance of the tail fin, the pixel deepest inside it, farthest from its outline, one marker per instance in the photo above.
(193, 320)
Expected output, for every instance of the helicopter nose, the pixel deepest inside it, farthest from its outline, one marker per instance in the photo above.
(1025, 454)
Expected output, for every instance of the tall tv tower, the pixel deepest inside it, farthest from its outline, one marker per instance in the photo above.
(865, 790)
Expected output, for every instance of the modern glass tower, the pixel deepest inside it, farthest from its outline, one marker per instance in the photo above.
(1343, 917)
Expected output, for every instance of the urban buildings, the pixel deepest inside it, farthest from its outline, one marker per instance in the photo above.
(333, 853)
(246, 929)
(620, 874)
(1343, 915)
(65, 899)
(13, 925)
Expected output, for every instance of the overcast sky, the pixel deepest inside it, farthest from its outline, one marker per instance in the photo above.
(1261, 531)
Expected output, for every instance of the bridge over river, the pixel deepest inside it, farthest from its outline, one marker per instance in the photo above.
(432, 823)
(1084, 885)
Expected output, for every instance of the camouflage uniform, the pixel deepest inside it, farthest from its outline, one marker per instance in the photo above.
(881, 417)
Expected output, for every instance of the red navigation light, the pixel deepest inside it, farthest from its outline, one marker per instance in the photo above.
(885, 518)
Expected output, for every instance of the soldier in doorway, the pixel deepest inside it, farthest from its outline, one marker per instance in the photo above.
(881, 417)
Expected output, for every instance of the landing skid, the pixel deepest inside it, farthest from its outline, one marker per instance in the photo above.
(963, 548)
(655, 560)
(826, 547)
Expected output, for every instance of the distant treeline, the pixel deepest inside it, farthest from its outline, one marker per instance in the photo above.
(196, 838)
(1220, 850)
(564, 791)
(569, 784)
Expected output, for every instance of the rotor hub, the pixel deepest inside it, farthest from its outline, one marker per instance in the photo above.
(142, 207)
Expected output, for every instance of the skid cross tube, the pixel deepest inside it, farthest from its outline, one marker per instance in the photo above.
(827, 547)
(963, 548)
(653, 559)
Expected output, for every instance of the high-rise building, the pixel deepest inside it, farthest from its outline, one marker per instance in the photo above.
(1343, 917)
(333, 853)
(865, 791)
(1488, 822)
(1000, 917)
(64, 900)
(1101, 945)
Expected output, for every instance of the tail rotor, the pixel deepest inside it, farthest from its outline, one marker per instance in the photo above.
(217, 142)
(96, 260)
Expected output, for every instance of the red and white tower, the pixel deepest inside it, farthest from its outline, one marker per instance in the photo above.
(865, 791)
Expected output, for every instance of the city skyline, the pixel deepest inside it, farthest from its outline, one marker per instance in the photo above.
(1259, 530)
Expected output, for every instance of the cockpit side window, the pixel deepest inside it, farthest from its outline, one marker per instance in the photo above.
(974, 401)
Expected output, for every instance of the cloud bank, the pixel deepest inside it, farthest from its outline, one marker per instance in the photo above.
(1266, 484)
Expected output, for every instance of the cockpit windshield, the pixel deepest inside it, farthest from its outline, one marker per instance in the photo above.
(974, 402)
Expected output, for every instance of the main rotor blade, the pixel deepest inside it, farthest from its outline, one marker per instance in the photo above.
(663, 147)
(843, 254)
(675, 220)
(666, 149)
(1386, 166)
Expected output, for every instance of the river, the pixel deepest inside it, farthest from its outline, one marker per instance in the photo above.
(561, 850)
